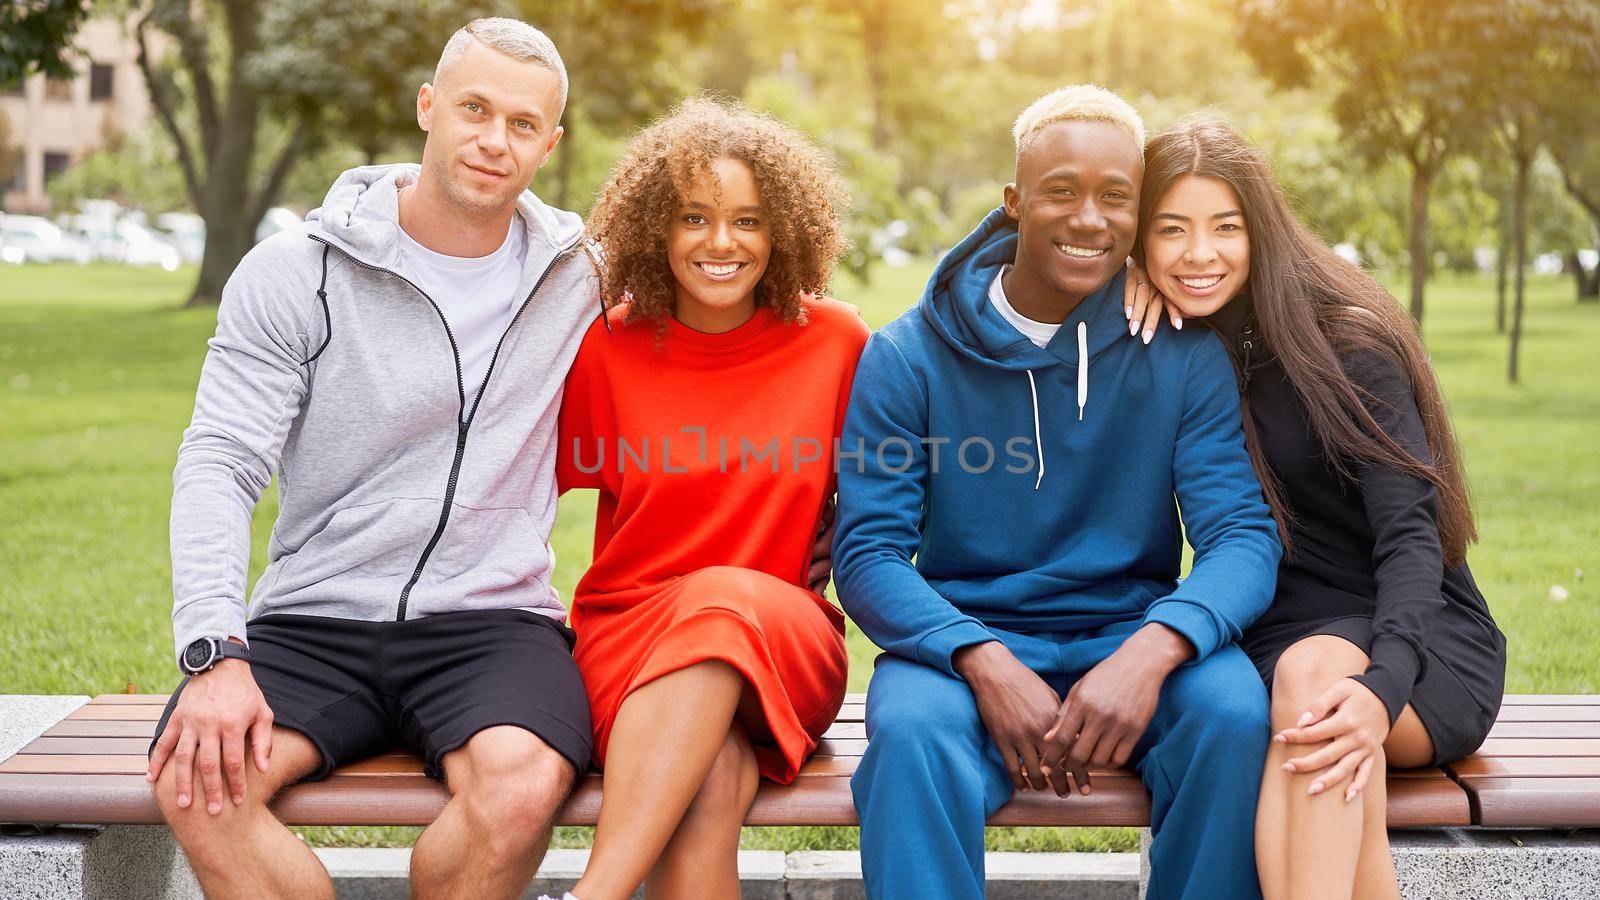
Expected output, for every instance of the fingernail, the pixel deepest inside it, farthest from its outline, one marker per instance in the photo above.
(1349, 795)
(1305, 719)
(1316, 787)
(1133, 328)
(1084, 790)
(1280, 738)
(1148, 334)
(1127, 312)
(1288, 767)
(183, 801)
(213, 807)
(1178, 324)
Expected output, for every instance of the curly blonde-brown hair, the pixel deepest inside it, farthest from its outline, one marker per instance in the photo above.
(801, 191)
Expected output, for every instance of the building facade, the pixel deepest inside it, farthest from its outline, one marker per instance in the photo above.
(54, 122)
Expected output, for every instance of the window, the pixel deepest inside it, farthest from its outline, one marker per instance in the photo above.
(54, 164)
(57, 89)
(101, 79)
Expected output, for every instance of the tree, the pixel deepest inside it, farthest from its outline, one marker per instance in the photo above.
(254, 89)
(1397, 78)
(1577, 153)
(218, 153)
(36, 36)
(1530, 60)
(626, 62)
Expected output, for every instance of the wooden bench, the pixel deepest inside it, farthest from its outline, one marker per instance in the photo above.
(1540, 767)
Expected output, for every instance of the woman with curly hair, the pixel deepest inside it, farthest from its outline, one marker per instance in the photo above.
(704, 407)
(1378, 647)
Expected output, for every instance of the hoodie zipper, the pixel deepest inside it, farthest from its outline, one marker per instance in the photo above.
(462, 424)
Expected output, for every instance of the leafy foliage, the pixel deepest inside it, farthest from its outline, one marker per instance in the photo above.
(36, 36)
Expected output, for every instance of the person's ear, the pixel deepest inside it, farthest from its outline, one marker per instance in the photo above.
(550, 146)
(425, 107)
(1013, 202)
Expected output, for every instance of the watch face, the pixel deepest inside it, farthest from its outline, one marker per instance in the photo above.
(197, 654)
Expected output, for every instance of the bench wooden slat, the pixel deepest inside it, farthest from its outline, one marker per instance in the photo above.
(129, 746)
(118, 712)
(1539, 747)
(1549, 714)
(100, 728)
(1551, 731)
(1551, 700)
(1528, 766)
(1536, 802)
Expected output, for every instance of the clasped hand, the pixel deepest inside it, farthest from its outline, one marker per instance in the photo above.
(1044, 740)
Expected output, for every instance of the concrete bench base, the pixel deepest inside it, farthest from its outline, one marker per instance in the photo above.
(93, 863)
(1474, 864)
(143, 862)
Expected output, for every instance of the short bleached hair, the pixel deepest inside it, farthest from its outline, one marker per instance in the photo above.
(514, 38)
(1079, 103)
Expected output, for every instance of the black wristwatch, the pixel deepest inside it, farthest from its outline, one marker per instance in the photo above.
(206, 652)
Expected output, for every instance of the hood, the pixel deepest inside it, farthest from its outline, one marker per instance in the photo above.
(361, 216)
(956, 305)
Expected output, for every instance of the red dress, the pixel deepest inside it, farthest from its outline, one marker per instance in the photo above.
(713, 455)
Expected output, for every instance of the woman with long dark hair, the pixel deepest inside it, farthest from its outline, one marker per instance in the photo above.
(1379, 649)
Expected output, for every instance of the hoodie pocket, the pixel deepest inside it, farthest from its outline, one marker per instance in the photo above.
(484, 551)
(364, 552)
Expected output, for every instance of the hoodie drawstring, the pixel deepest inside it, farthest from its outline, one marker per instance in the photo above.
(1083, 396)
(1083, 367)
(1038, 445)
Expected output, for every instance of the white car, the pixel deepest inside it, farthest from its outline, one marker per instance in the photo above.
(141, 247)
(37, 239)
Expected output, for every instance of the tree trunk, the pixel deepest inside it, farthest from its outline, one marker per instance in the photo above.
(1589, 284)
(875, 44)
(226, 202)
(1502, 264)
(1519, 226)
(228, 238)
(1421, 181)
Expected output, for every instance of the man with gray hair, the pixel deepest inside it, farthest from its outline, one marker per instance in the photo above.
(397, 361)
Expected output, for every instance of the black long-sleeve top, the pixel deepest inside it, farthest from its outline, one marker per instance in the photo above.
(1364, 546)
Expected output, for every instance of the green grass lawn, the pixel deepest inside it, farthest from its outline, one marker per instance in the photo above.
(97, 374)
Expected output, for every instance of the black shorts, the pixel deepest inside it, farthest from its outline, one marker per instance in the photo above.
(357, 689)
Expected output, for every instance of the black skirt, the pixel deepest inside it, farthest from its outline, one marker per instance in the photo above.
(1459, 694)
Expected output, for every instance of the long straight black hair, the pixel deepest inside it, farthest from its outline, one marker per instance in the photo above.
(1313, 308)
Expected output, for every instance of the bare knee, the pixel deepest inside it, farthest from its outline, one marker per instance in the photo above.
(511, 784)
(1308, 668)
(729, 786)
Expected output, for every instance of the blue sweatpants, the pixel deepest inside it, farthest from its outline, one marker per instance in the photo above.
(931, 774)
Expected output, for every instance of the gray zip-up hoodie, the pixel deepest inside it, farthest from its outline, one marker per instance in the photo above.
(402, 492)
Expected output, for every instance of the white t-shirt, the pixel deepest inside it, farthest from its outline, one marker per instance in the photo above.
(1038, 332)
(478, 296)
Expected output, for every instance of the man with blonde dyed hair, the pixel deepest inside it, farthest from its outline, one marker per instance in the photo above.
(1077, 103)
(397, 362)
(1011, 535)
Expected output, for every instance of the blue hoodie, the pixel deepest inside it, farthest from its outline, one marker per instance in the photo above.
(1075, 534)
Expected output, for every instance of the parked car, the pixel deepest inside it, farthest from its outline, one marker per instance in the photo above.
(36, 239)
(186, 231)
(141, 247)
(277, 219)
